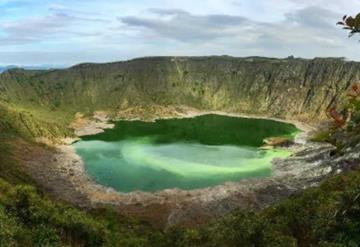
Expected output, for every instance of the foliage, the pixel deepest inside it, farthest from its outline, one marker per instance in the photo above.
(28, 218)
(30, 123)
(321, 136)
(351, 23)
(324, 216)
(349, 117)
(9, 167)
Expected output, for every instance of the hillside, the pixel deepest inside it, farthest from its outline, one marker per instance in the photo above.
(286, 88)
(40, 103)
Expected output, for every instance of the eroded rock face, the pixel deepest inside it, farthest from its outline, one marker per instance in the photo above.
(286, 88)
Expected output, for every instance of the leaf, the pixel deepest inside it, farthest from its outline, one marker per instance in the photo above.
(344, 18)
(350, 21)
(357, 21)
(340, 23)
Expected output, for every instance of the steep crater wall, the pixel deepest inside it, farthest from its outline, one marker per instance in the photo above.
(44, 103)
(296, 89)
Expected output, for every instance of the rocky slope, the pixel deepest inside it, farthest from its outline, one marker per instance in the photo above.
(49, 103)
(286, 88)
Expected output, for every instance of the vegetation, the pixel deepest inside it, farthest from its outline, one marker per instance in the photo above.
(248, 85)
(328, 215)
(351, 23)
(350, 115)
(345, 131)
(28, 218)
(324, 216)
(29, 122)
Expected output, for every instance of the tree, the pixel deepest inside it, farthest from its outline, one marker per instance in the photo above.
(351, 23)
(350, 115)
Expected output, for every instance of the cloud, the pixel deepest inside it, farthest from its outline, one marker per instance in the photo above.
(313, 16)
(57, 23)
(184, 26)
(111, 30)
(305, 26)
(308, 31)
(76, 14)
(29, 30)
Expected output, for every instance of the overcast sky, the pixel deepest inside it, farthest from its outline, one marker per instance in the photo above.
(67, 32)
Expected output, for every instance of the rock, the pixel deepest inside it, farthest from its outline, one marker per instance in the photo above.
(278, 142)
(299, 89)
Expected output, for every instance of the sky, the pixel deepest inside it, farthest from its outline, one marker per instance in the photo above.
(68, 32)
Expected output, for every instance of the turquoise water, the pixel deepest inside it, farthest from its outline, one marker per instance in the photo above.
(181, 153)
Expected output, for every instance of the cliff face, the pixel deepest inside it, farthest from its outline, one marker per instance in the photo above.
(44, 103)
(287, 88)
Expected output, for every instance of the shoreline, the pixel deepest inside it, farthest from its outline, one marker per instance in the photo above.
(68, 167)
(298, 124)
(95, 128)
(100, 121)
(300, 138)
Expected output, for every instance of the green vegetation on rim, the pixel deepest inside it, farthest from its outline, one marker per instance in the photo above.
(324, 216)
(287, 88)
(44, 103)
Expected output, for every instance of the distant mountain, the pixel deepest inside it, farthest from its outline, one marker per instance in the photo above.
(4, 68)
(39, 67)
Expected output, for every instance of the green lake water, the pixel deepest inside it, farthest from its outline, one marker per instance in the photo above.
(184, 153)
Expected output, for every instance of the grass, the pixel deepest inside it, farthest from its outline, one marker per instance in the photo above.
(30, 123)
(322, 136)
(10, 169)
